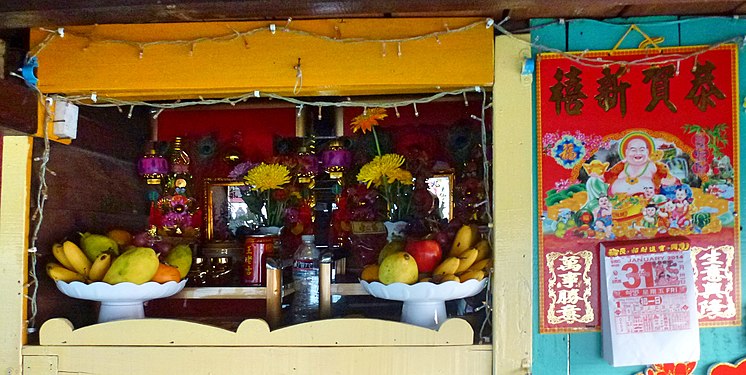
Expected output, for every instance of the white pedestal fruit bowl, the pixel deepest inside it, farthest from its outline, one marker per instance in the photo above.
(424, 302)
(120, 301)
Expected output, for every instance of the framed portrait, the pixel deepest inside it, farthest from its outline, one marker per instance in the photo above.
(224, 208)
(441, 186)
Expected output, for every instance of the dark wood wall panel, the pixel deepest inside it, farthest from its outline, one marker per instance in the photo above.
(92, 186)
(711, 8)
(31, 13)
(18, 106)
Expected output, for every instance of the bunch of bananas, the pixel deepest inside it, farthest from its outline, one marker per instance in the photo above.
(469, 258)
(74, 265)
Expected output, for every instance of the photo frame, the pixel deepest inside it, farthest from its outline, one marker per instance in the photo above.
(224, 208)
(441, 185)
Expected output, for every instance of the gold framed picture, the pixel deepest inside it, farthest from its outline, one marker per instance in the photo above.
(225, 209)
(441, 185)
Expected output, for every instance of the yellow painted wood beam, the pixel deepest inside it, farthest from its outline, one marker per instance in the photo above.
(14, 230)
(81, 62)
(513, 215)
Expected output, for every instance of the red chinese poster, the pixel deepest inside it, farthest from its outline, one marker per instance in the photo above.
(642, 147)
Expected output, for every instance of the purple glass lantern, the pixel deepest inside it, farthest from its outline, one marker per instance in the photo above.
(308, 166)
(336, 159)
(152, 167)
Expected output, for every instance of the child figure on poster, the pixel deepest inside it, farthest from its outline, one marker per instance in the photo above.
(680, 216)
(649, 216)
(664, 216)
(603, 219)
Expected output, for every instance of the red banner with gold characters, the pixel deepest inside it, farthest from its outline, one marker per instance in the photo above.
(643, 147)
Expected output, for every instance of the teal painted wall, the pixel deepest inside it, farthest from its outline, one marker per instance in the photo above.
(581, 353)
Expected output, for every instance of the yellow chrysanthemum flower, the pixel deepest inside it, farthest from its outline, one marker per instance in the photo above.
(401, 175)
(368, 119)
(267, 176)
(380, 166)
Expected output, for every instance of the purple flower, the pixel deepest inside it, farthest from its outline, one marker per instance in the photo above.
(241, 169)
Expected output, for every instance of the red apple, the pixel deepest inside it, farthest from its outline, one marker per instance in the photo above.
(426, 253)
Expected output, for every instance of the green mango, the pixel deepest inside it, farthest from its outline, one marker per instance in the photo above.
(137, 265)
(180, 257)
(95, 244)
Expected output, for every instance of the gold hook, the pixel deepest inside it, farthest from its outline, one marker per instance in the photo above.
(647, 41)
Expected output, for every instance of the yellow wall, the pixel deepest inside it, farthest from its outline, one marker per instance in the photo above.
(513, 214)
(14, 226)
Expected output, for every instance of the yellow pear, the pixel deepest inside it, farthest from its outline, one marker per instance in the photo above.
(399, 267)
(390, 248)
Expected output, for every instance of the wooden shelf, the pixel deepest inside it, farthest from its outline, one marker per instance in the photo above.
(258, 292)
(223, 292)
(348, 289)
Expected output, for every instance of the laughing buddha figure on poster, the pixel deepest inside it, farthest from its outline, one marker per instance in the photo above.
(639, 168)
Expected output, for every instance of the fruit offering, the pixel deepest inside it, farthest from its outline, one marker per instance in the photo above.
(110, 258)
(423, 260)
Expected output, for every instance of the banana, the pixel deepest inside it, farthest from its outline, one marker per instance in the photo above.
(445, 277)
(60, 273)
(475, 235)
(59, 254)
(77, 258)
(475, 274)
(484, 249)
(462, 241)
(480, 265)
(448, 266)
(466, 259)
(99, 267)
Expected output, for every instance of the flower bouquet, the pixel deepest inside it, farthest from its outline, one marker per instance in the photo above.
(394, 183)
(266, 195)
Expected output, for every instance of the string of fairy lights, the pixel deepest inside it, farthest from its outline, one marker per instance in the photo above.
(232, 35)
(38, 216)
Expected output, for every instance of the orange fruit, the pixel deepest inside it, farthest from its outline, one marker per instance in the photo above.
(370, 273)
(120, 236)
(166, 273)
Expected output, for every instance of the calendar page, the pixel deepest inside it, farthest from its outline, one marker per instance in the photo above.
(649, 311)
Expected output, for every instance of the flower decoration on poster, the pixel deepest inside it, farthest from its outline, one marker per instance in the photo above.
(685, 368)
(568, 151)
(728, 368)
(638, 152)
